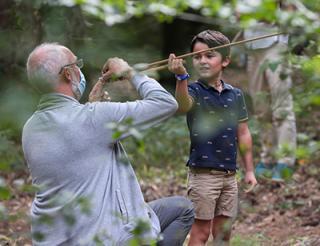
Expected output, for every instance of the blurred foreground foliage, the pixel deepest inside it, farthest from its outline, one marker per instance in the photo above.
(165, 152)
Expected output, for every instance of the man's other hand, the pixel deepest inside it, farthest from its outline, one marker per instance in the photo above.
(116, 69)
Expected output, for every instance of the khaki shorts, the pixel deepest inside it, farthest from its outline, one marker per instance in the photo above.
(213, 193)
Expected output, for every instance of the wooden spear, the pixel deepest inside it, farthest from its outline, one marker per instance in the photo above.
(158, 65)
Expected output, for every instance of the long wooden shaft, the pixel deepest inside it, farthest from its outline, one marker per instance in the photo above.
(153, 65)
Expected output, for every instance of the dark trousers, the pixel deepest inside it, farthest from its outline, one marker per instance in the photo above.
(176, 216)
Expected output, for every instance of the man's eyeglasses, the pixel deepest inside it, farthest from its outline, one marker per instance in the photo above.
(78, 63)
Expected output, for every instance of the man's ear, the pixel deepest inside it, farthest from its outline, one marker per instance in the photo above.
(67, 74)
(226, 61)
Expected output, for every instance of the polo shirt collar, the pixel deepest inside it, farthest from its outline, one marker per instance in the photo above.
(55, 100)
(225, 86)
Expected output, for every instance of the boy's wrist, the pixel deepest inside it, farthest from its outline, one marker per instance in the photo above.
(181, 77)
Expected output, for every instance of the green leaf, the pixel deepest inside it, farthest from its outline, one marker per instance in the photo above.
(5, 167)
(302, 152)
(283, 76)
(273, 65)
(70, 219)
(38, 236)
(315, 100)
(85, 205)
(134, 242)
(29, 188)
(5, 193)
(46, 220)
(286, 173)
(80, 1)
(116, 134)
(98, 241)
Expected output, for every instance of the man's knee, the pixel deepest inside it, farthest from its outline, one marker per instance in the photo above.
(187, 209)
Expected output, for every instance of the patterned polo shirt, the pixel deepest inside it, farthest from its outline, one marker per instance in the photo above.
(213, 123)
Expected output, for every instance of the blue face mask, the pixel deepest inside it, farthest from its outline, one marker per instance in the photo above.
(78, 88)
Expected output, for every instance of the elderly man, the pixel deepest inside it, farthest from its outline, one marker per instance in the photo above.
(88, 192)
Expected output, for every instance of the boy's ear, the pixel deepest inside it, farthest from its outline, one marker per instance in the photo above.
(226, 61)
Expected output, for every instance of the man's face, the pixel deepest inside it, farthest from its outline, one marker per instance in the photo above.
(74, 69)
(208, 64)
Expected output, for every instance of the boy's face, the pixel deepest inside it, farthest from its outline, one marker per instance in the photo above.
(208, 64)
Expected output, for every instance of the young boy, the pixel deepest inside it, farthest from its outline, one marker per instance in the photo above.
(217, 120)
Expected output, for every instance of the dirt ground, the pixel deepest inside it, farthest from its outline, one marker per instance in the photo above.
(283, 214)
(272, 214)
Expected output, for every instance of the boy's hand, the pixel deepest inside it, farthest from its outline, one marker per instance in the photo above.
(176, 65)
(250, 179)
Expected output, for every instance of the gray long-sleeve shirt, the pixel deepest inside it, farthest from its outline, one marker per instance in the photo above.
(74, 160)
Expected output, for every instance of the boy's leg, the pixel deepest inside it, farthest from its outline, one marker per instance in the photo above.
(226, 211)
(204, 190)
(221, 229)
(200, 232)
(176, 216)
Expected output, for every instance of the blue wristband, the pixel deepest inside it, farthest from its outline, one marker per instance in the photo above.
(182, 76)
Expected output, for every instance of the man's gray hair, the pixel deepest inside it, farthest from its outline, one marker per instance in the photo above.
(45, 62)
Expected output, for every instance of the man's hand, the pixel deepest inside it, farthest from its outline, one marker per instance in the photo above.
(116, 69)
(113, 70)
(176, 65)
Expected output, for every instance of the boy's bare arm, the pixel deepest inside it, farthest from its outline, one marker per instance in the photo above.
(185, 101)
(245, 147)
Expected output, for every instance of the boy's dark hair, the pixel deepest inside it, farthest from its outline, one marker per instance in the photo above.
(212, 39)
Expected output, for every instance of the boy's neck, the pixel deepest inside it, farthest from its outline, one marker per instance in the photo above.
(216, 83)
